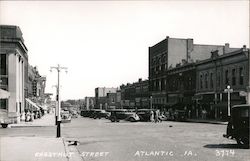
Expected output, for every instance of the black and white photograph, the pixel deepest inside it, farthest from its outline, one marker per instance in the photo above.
(124, 80)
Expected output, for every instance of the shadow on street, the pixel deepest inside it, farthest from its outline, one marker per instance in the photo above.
(226, 146)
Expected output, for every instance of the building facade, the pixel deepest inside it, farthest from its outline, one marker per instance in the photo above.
(172, 53)
(102, 98)
(214, 75)
(135, 95)
(13, 72)
(89, 103)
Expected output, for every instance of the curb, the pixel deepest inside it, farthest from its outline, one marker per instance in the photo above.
(21, 126)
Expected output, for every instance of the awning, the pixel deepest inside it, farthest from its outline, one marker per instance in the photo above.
(32, 104)
(43, 107)
(4, 94)
(170, 104)
(225, 104)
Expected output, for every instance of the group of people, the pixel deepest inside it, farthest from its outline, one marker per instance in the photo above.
(155, 116)
(29, 115)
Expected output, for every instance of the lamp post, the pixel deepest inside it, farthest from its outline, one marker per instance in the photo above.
(228, 90)
(58, 111)
(151, 102)
(56, 104)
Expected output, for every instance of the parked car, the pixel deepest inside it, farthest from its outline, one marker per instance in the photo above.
(180, 115)
(238, 126)
(144, 114)
(101, 114)
(90, 113)
(123, 114)
(65, 116)
(84, 113)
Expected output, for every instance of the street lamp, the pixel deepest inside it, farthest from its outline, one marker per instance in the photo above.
(228, 90)
(58, 111)
(56, 104)
(151, 102)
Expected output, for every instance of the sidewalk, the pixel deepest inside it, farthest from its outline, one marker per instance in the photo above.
(36, 149)
(46, 120)
(207, 121)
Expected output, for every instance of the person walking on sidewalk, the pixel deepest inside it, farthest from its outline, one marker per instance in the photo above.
(156, 116)
(152, 116)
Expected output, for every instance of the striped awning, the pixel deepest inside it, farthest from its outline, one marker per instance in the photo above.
(34, 106)
(4, 94)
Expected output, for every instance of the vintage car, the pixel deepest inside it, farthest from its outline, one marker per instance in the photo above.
(180, 115)
(65, 116)
(122, 114)
(238, 126)
(144, 114)
(101, 114)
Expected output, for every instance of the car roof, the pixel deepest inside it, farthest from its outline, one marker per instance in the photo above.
(118, 110)
(241, 106)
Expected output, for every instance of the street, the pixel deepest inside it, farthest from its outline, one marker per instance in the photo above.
(123, 141)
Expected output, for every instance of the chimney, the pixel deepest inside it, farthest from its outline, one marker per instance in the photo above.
(190, 48)
(244, 48)
(140, 80)
(226, 48)
(214, 54)
(183, 61)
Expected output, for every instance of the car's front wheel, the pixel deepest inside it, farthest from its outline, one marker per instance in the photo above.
(131, 119)
(112, 119)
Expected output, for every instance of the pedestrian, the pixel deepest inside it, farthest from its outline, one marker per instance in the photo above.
(156, 116)
(152, 116)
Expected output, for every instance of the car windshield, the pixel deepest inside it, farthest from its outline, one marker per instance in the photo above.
(244, 113)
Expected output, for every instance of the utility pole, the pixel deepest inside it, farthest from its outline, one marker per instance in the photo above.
(58, 111)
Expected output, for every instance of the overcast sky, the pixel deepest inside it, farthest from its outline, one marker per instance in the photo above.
(105, 43)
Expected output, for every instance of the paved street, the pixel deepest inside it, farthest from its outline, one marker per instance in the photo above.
(123, 141)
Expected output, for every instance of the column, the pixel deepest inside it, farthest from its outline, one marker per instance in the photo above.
(12, 84)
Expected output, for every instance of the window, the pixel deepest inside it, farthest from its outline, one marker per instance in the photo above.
(211, 80)
(226, 77)
(3, 64)
(218, 79)
(206, 80)
(201, 80)
(3, 103)
(241, 76)
(233, 77)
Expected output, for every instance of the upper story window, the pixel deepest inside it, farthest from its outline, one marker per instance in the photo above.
(3, 64)
(211, 80)
(241, 76)
(201, 81)
(206, 80)
(226, 77)
(233, 77)
(218, 79)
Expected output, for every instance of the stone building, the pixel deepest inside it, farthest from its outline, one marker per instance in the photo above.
(13, 72)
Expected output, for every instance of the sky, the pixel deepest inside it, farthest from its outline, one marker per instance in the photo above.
(105, 43)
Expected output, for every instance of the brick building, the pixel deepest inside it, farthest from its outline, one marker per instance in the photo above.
(214, 75)
(103, 96)
(135, 95)
(169, 54)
